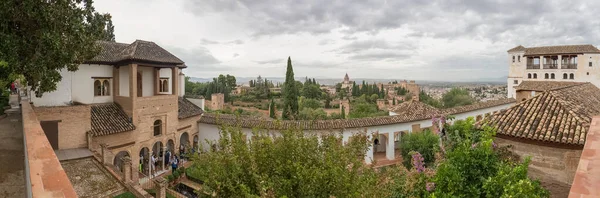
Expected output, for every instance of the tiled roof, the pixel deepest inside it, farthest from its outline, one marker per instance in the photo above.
(476, 106)
(412, 107)
(246, 122)
(112, 52)
(561, 49)
(519, 48)
(188, 109)
(109, 119)
(543, 85)
(561, 115)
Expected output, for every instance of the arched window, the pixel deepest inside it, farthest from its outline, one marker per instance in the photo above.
(97, 88)
(551, 76)
(513, 59)
(106, 88)
(546, 76)
(519, 58)
(164, 85)
(157, 127)
(535, 76)
(528, 75)
(571, 76)
(565, 76)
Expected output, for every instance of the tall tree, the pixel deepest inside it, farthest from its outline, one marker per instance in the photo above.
(343, 114)
(272, 109)
(39, 38)
(290, 93)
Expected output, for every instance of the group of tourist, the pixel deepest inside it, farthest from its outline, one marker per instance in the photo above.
(170, 159)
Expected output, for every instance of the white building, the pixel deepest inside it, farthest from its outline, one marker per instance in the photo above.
(575, 63)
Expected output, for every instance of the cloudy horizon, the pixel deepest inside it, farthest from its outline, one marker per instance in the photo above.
(433, 40)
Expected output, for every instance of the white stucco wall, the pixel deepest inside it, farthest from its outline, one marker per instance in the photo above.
(197, 102)
(181, 85)
(166, 73)
(124, 81)
(60, 97)
(83, 88)
(147, 80)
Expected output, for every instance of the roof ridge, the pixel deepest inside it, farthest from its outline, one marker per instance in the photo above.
(569, 86)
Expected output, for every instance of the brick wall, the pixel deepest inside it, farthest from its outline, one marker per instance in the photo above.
(74, 122)
(554, 165)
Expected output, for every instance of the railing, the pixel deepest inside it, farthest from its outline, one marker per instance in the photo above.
(533, 66)
(550, 66)
(569, 66)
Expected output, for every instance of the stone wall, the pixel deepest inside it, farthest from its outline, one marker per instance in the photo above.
(217, 100)
(73, 123)
(553, 164)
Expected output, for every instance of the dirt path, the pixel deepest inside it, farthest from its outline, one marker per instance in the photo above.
(12, 159)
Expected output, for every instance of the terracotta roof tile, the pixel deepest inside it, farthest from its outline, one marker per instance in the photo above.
(112, 52)
(543, 85)
(188, 109)
(560, 115)
(560, 49)
(519, 48)
(109, 119)
(476, 106)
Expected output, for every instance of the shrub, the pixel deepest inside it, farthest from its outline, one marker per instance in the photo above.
(425, 142)
(170, 178)
(176, 174)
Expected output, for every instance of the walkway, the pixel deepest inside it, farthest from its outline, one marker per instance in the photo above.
(12, 163)
(76, 153)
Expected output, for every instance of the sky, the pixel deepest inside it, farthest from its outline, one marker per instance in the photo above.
(416, 39)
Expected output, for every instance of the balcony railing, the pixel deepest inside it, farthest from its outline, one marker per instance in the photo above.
(550, 66)
(569, 66)
(532, 66)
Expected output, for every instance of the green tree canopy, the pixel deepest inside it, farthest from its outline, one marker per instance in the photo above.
(290, 93)
(457, 97)
(39, 38)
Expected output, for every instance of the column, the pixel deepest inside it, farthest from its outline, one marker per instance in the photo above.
(541, 62)
(389, 150)
(161, 191)
(115, 82)
(89, 141)
(164, 157)
(559, 63)
(156, 81)
(369, 155)
(150, 165)
(133, 81)
(135, 165)
(175, 81)
(126, 169)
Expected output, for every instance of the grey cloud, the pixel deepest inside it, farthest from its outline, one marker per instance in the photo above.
(208, 42)
(212, 42)
(272, 61)
(236, 55)
(484, 19)
(198, 57)
(379, 56)
(326, 42)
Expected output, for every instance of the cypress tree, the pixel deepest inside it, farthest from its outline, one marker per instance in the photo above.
(272, 109)
(290, 94)
(394, 101)
(343, 112)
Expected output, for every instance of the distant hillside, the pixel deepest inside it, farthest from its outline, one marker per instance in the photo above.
(333, 81)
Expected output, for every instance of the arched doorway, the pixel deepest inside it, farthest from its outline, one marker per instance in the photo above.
(144, 159)
(157, 152)
(184, 142)
(118, 161)
(139, 84)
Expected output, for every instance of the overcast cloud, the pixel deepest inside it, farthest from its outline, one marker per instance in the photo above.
(422, 40)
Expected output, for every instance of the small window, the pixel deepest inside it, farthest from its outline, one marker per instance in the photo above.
(101, 87)
(164, 85)
(157, 127)
(588, 73)
(551, 76)
(515, 82)
(513, 59)
(519, 59)
(529, 76)
(565, 76)
(534, 76)
(590, 63)
(571, 76)
(546, 76)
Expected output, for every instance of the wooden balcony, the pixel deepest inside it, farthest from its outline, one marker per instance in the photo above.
(550, 66)
(569, 66)
(533, 66)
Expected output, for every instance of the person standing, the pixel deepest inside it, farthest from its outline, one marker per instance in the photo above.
(153, 165)
(12, 87)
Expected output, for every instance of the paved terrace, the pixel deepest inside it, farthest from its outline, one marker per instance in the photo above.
(12, 163)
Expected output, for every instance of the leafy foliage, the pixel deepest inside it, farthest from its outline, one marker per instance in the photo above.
(222, 84)
(427, 99)
(425, 143)
(39, 38)
(291, 165)
(365, 106)
(457, 97)
(290, 94)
